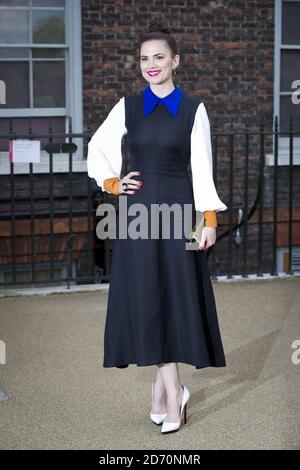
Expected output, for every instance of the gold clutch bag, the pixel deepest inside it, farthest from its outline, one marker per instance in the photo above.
(195, 235)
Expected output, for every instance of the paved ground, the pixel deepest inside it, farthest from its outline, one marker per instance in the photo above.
(60, 396)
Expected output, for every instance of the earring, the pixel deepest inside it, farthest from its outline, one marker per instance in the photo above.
(174, 71)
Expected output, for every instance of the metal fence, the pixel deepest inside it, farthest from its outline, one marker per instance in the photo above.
(48, 220)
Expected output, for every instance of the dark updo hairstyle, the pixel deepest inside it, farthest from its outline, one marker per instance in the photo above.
(159, 31)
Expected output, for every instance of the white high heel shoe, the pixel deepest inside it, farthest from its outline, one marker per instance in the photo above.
(155, 417)
(171, 427)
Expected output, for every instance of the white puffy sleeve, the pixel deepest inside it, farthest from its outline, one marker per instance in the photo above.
(205, 194)
(104, 159)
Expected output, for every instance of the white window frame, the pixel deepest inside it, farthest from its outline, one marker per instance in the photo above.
(283, 142)
(74, 103)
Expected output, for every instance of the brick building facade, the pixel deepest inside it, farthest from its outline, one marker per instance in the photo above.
(239, 57)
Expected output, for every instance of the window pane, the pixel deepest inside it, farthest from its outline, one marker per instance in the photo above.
(9, 33)
(48, 27)
(290, 69)
(15, 76)
(49, 84)
(48, 3)
(14, 52)
(48, 53)
(14, 3)
(40, 125)
(287, 109)
(290, 22)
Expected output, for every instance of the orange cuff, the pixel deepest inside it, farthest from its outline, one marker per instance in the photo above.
(111, 185)
(210, 219)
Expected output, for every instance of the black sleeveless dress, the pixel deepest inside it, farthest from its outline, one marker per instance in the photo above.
(161, 306)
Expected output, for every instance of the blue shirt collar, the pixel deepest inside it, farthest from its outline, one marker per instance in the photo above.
(171, 101)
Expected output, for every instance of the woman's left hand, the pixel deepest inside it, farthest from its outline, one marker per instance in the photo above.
(209, 235)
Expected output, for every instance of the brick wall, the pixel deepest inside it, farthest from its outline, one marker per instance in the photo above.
(226, 53)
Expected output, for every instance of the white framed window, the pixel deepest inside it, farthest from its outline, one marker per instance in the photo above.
(41, 69)
(286, 71)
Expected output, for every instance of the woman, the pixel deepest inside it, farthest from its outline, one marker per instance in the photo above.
(161, 307)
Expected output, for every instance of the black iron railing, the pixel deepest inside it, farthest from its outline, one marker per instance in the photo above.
(48, 221)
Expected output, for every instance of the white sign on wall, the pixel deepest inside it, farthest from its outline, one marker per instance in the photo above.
(24, 151)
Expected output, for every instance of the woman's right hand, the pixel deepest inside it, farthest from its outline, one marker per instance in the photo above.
(132, 183)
